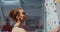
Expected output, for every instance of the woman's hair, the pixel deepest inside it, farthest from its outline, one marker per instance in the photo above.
(14, 12)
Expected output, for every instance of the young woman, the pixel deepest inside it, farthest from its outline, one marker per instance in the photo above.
(19, 16)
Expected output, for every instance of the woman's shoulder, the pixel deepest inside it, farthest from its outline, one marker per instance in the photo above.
(17, 29)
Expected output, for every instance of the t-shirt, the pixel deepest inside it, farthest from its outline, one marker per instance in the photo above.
(17, 29)
(7, 28)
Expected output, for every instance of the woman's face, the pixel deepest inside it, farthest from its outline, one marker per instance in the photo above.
(23, 15)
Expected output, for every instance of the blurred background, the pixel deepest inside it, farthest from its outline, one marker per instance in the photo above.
(34, 8)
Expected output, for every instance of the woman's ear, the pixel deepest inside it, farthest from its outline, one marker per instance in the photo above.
(17, 17)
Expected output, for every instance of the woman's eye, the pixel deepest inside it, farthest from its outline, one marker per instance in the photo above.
(24, 13)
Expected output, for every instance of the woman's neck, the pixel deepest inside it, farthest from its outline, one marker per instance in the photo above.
(18, 24)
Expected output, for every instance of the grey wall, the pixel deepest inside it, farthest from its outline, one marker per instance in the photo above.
(32, 7)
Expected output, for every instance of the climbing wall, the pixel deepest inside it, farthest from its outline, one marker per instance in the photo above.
(51, 16)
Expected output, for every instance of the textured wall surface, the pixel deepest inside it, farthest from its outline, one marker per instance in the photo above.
(52, 21)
